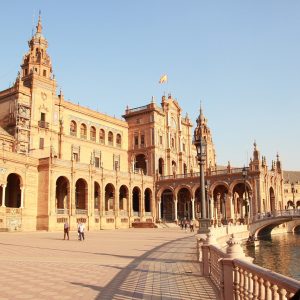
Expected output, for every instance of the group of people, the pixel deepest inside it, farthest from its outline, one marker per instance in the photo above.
(185, 224)
(80, 231)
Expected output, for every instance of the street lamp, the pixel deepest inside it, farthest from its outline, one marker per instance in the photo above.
(200, 143)
(244, 173)
(207, 182)
(293, 192)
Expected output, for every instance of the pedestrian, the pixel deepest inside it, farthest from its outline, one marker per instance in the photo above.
(81, 231)
(78, 230)
(66, 230)
(181, 224)
(192, 225)
(185, 224)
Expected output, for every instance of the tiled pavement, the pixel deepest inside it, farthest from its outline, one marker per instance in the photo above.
(119, 264)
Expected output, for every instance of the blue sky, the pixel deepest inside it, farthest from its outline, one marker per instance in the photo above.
(240, 58)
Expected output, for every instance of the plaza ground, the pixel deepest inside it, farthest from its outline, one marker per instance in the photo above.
(116, 264)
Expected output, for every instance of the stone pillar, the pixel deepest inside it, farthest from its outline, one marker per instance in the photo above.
(175, 209)
(159, 209)
(3, 195)
(22, 197)
(193, 209)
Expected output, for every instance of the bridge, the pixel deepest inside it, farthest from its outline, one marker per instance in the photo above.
(262, 224)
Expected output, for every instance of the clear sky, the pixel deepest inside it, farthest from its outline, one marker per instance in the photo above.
(240, 58)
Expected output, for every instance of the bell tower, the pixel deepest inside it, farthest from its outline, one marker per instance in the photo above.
(37, 63)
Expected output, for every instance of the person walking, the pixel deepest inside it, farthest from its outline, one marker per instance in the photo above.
(192, 225)
(81, 231)
(66, 230)
(185, 224)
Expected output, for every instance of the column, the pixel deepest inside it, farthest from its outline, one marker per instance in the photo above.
(3, 195)
(193, 209)
(159, 209)
(22, 197)
(175, 209)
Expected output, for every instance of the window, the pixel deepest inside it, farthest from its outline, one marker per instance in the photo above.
(102, 136)
(142, 140)
(44, 73)
(183, 147)
(110, 138)
(136, 140)
(160, 140)
(118, 140)
(26, 72)
(93, 134)
(97, 162)
(73, 128)
(83, 131)
(43, 117)
(75, 157)
(41, 143)
(116, 162)
(173, 143)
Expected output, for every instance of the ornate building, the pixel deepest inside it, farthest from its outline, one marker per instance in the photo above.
(60, 161)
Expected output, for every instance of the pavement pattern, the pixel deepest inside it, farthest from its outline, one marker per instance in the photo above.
(113, 264)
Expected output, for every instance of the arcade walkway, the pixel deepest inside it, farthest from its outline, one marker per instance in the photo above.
(119, 264)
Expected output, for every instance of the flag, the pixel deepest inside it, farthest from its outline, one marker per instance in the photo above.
(163, 79)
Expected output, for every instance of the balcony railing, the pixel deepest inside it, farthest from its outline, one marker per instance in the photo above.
(148, 213)
(62, 211)
(81, 211)
(43, 124)
(136, 214)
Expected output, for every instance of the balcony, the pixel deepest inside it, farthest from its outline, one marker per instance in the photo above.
(43, 124)
(62, 211)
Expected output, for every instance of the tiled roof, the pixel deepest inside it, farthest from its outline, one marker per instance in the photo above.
(291, 176)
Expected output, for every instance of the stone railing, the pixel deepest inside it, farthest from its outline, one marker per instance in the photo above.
(276, 213)
(62, 211)
(81, 211)
(236, 277)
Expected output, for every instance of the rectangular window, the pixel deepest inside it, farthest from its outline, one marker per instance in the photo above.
(43, 117)
(153, 137)
(183, 147)
(142, 140)
(160, 140)
(75, 157)
(44, 73)
(41, 143)
(136, 140)
(97, 162)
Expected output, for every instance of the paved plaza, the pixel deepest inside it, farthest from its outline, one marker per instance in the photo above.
(116, 264)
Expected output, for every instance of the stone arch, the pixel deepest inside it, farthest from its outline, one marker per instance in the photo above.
(298, 204)
(136, 200)
(184, 197)
(13, 190)
(162, 189)
(110, 138)
(123, 197)
(148, 200)
(141, 163)
(290, 204)
(109, 197)
(62, 194)
(81, 194)
(118, 140)
(97, 195)
(167, 205)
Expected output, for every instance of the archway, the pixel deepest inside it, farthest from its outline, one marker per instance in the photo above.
(109, 197)
(81, 194)
(272, 199)
(123, 198)
(140, 163)
(148, 200)
(136, 197)
(241, 202)
(222, 205)
(13, 191)
(184, 204)
(62, 194)
(97, 192)
(167, 204)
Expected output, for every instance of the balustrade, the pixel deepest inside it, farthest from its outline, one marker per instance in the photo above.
(62, 211)
(237, 278)
(81, 211)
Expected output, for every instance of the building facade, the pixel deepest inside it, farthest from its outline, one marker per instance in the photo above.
(64, 162)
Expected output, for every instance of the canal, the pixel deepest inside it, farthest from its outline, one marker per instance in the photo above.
(279, 253)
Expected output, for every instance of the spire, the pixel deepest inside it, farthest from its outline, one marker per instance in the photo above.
(39, 25)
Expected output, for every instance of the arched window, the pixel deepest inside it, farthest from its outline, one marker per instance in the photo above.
(83, 131)
(102, 136)
(93, 133)
(118, 140)
(73, 128)
(110, 138)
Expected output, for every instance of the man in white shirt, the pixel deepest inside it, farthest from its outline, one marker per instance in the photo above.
(81, 231)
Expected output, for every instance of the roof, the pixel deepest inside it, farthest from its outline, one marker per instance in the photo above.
(291, 176)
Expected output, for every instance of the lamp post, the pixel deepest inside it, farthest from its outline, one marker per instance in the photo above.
(200, 143)
(293, 192)
(244, 173)
(207, 182)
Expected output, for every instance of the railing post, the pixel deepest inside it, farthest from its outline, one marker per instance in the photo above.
(210, 240)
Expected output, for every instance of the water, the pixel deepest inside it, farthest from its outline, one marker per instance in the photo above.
(279, 253)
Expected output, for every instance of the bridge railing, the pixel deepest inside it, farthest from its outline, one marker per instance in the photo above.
(276, 213)
(236, 277)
